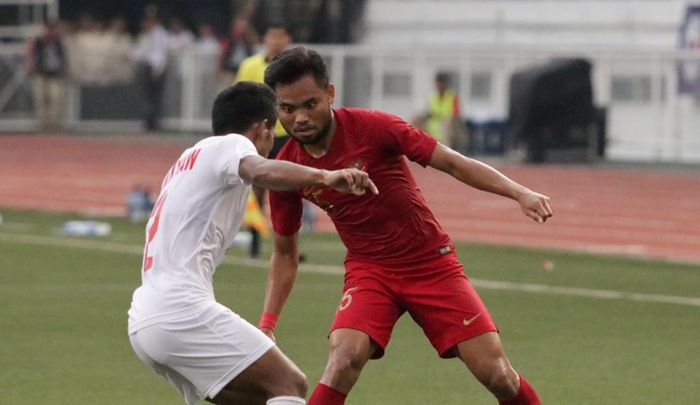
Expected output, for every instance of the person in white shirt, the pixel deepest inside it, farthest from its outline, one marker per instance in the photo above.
(179, 36)
(176, 327)
(151, 58)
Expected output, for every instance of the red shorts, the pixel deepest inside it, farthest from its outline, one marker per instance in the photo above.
(437, 294)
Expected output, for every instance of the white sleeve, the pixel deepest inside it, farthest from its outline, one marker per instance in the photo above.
(232, 149)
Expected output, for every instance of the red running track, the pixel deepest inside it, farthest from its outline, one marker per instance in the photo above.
(636, 212)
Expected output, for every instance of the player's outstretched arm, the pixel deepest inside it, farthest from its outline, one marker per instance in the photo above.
(280, 280)
(281, 175)
(484, 177)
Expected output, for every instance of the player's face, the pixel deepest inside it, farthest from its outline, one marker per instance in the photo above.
(304, 109)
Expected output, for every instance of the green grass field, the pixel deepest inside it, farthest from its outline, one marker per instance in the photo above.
(63, 304)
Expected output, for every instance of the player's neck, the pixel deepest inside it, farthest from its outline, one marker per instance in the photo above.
(319, 149)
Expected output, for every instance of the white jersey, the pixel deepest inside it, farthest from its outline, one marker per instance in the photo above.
(198, 212)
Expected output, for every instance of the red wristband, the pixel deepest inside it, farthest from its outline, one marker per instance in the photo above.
(268, 320)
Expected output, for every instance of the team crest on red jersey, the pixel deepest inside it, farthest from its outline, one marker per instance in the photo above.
(359, 165)
(315, 194)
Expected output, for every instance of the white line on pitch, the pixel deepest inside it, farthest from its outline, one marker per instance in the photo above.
(330, 269)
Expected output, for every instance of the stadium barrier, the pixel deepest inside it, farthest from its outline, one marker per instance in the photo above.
(648, 118)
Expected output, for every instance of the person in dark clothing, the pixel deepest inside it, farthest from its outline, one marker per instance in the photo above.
(47, 62)
(235, 48)
(151, 56)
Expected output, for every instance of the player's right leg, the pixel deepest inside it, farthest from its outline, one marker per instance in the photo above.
(272, 379)
(349, 351)
(361, 330)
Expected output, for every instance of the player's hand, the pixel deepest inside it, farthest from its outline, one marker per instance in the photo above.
(269, 333)
(536, 206)
(351, 181)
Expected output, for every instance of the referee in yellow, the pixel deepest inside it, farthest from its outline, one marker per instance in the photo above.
(275, 40)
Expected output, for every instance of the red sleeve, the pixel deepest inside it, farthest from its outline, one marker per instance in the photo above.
(398, 134)
(285, 211)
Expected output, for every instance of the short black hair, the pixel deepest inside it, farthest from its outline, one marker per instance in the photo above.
(240, 106)
(442, 77)
(293, 63)
(278, 26)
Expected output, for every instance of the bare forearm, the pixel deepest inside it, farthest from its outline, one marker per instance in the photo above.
(474, 173)
(280, 175)
(283, 270)
(484, 177)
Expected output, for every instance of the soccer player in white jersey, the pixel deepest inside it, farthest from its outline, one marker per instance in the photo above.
(202, 348)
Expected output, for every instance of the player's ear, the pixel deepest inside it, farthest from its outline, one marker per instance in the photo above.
(259, 129)
(253, 132)
(331, 93)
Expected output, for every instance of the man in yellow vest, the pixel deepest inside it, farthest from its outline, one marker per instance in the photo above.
(443, 112)
(275, 40)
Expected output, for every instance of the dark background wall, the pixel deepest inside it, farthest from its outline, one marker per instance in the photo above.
(217, 12)
(310, 21)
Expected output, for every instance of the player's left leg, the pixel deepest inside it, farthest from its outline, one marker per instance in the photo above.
(361, 330)
(350, 349)
(486, 359)
(443, 302)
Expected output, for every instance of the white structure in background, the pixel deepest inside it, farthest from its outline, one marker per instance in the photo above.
(633, 46)
(28, 22)
(30, 17)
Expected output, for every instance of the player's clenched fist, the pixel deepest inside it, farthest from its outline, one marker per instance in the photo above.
(536, 206)
(351, 181)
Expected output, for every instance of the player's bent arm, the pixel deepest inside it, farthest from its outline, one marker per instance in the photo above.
(282, 274)
(484, 177)
(280, 175)
(474, 173)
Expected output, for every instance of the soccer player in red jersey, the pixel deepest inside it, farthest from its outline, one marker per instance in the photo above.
(399, 259)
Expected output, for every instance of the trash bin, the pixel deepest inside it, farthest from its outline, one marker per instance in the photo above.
(486, 136)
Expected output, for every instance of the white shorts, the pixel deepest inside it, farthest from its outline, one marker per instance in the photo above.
(200, 355)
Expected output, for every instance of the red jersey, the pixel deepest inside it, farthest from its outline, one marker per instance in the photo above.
(394, 227)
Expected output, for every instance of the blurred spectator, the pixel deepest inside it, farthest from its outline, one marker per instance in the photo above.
(235, 48)
(69, 37)
(151, 56)
(179, 36)
(206, 51)
(444, 118)
(91, 60)
(139, 203)
(275, 40)
(206, 42)
(99, 56)
(119, 68)
(46, 60)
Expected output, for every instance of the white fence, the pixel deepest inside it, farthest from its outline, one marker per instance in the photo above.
(647, 118)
